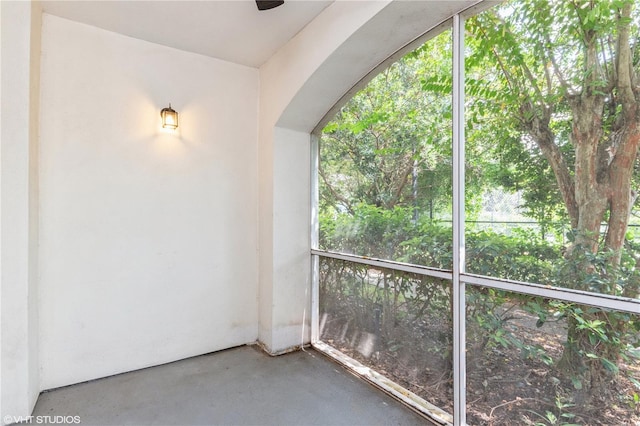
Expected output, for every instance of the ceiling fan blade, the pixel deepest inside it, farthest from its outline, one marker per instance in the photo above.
(268, 4)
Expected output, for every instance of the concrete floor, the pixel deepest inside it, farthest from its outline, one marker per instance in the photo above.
(240, 386)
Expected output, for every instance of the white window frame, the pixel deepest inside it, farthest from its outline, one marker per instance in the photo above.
(458, 277)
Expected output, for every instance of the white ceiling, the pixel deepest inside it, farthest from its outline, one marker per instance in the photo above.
(232, 30)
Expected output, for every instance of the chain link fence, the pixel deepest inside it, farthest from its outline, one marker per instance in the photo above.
(501, 213)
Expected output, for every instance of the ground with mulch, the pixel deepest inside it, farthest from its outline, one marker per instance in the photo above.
(504, 385)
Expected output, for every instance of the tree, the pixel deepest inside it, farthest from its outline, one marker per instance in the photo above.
(565, 74)
(552, 110)
(390, 145)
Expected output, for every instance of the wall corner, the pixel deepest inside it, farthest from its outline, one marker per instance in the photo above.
(19, 122)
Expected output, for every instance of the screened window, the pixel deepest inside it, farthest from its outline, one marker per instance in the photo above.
(478, 238)
(385, 164)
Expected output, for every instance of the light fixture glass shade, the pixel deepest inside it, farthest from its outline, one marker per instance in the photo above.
(169, 118)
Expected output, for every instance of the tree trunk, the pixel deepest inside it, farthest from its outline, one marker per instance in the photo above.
(605, 144)
(587, 354)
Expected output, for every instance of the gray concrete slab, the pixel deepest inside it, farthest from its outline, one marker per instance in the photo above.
(240, 386)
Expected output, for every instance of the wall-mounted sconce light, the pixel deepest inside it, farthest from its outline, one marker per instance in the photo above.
(169, 118)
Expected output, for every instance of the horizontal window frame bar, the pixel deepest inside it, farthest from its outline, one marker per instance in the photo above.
(521, 222)
(598, 300)
(388, 264)
(605, 301)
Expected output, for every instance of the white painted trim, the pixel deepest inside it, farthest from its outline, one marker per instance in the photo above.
(459, 298)
(315, 232)
(397, 266)
(315, 190)
(605, 301)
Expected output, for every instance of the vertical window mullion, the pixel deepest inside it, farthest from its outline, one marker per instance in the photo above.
(315, 235)
(459, 367)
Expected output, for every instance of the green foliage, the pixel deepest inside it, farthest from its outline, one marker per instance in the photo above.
(521, 256)
(585, 270)
(377, 301)
(393, 234)
(370, 230)
(386, 177)
(561, 414)
(390, 145)
(597, 339)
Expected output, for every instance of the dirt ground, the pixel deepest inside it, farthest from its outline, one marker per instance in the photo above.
(504, 387)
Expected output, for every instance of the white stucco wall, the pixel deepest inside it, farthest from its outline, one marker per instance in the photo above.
(298, 85)
(153, 246)
(19, 76)
(284, 168)
(148, 240)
